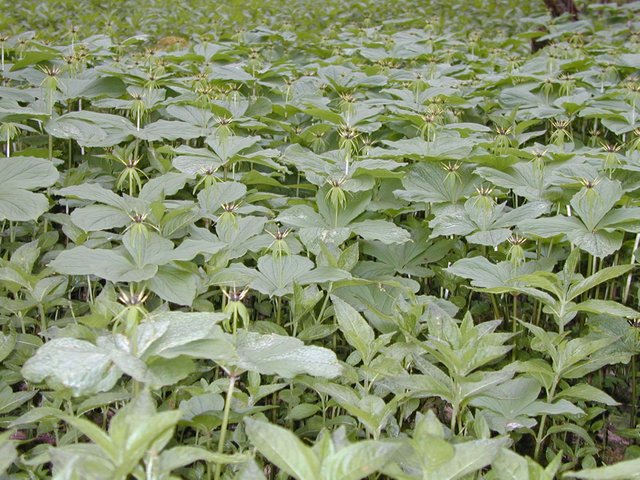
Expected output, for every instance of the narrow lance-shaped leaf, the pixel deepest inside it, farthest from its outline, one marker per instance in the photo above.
(356, 330)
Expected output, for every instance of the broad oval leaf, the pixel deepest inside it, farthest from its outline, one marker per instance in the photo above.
(358, 460)
(19, 175)
(284, 356)
(283, 449)
(78, 365)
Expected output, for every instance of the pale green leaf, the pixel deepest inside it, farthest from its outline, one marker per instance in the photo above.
(626, 470)
(358, 460)
(356, 329)
(284, 356)
(78, 365)
(182, 456)
(283, 449)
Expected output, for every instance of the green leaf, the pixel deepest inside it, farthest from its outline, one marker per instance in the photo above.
(194, 161)
(323, 274)
(302, 411)
(92, 431)
(358, 460)
(169, 334)
(10, 400)
(469, 457)
(49, 287)
(213, 197)
(560, 407)
(598, 243)
(161, 372)
(601, 276)
(159, 187)
(428, 442)
(93, 218)
(113, 265)
(78, 365)
(592, 204)
(35, 56)
(301, 216)
(174, 284)
(250, 471)
(36, 415)
(182, 456)
(276, 274)
(586, 392)
(169, 130)
(91, 129)
(7, 344)
(550, 226)
(19, 175)
(283, 449)
(428, 183)
(138, 428)
(626, 470)
(8, 452)
(146, 248)
(383, 231)
(572, 429)
(510, 403)
(77, 461)
(508, 465)
(523, 178)
(608, 307)
(96, 193)
(227, 147)
(284, 356)
(356, 329)
(444, 147)
(201, 405)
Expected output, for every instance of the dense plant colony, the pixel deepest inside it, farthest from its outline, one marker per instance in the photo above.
(271, 240)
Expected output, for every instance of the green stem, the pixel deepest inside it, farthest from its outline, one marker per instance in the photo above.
(278, 311)
(514, 320)
(627, 286)
(325, 303)
(496, 310)
(234, 324)
(90, 289)
(43, 318)
(454, 418)
(225, 422)
(543, 423)
(505, 310)
(634, 393)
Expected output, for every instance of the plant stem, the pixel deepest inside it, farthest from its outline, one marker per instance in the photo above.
(496, 310)
(43, 318)
(278, 311)
(89, 290)
(225, 422)
(514, 322)
(627, 286)
(543, 423)
(325, 303)
(634, 393)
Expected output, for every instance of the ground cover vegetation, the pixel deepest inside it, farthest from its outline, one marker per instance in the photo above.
(359, 240)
